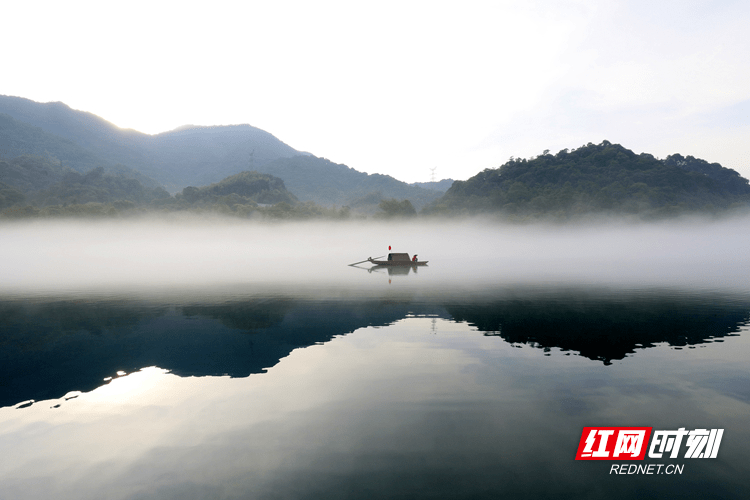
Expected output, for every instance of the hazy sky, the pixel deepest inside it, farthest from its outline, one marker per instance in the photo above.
(402, 87)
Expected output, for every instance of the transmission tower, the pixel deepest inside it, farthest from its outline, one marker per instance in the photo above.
(432, 174)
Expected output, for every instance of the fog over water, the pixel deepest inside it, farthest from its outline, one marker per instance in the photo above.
(187, 358)
(311, 257)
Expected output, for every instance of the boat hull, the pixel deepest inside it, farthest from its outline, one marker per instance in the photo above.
(398, 263)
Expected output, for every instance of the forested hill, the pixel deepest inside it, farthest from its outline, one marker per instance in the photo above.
(21, 139)
(198, 156)
(97, 136)
(603, 179)
(247, 188)
(326, 183)
(32, 186)
(190, 155)
(30, 183)
(441, 185)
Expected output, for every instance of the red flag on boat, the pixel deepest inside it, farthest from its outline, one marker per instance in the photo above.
(389, 247)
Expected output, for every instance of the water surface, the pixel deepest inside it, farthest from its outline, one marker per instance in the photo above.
(213, 370)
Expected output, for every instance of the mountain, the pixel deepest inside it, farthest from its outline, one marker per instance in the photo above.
(35, 181)
(30, 173)
(441, 186)
(603, 179)
(21, 139)
(198, 156)
(186, 156)
(32, 186)
(100, 137)
(728, 179)
(326, 183)
(243, 188)
(191, 155)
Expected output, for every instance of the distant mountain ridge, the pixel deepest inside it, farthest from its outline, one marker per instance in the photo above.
(21, 139)
(326, 183)
(601, 178)
(191, 155)
(441, 185)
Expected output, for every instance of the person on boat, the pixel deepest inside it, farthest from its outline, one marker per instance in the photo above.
(414, 259)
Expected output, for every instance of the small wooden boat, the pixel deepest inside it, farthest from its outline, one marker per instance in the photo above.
(398, 259)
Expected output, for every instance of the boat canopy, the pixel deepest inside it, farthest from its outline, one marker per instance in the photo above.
(399, 257)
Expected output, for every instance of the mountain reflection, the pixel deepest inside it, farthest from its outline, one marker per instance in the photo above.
(49, 348)
(606, 327)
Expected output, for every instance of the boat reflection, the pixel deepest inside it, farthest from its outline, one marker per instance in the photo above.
(394, 270)
(391, 270)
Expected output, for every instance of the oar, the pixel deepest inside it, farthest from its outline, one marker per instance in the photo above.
(363, 268)
(361, 261)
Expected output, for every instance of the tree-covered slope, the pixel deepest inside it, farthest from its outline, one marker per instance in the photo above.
(43, 184)
(18, 139)
(10, 196)
(30, 173)
(245, 187)
(102, 138)
(603, 178)
(199, 156)
(327, 183)
(728, 179)
(192, 155)
(32, 186)
(21, 139)
(186, 156)
(441, 185)
(249, 195)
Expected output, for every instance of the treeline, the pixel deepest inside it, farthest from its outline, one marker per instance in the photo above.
(32, 186)
(251, 194)
(604, 179)
(18, 139)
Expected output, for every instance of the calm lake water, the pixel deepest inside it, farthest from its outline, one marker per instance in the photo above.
(172, 362)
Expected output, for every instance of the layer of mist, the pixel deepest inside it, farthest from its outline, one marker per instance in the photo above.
(227, 256)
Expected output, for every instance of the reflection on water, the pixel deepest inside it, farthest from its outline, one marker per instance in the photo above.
(606, 327)
(402, 394)
(390, 270)
(50, 348)
(160, 361)
(56, 346)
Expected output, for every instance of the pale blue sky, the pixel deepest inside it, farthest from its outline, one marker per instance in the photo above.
(401, 87)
